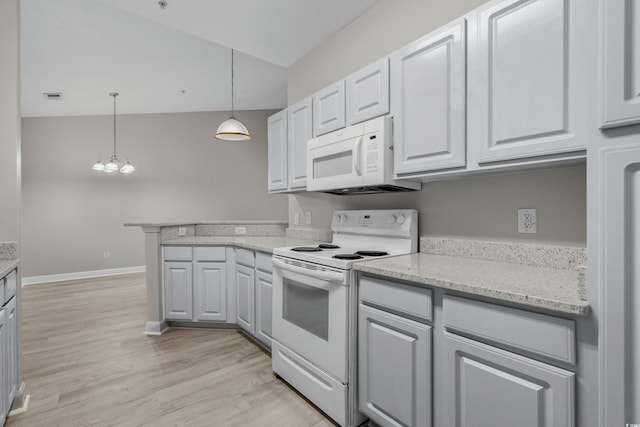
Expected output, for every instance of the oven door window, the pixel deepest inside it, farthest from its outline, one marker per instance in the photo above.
(306, 307)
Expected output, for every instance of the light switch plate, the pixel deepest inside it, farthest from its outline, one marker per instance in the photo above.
(182, 231)
(241, 230)
(308, 218)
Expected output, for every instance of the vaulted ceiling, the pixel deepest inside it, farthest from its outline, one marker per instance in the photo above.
(175, 59)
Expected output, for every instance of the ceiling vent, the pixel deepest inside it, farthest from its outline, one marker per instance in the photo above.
(53, 96)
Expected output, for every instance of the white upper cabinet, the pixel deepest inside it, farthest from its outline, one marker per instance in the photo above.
(621, 63)
(299, 120)
(527, 95)
(277, 140)
(329, 109)
(368, 92)
(428, 102)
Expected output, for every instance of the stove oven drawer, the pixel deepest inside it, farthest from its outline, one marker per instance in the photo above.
(405, 300)
(327, 393)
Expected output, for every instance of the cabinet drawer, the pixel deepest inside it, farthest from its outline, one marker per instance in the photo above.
(10, 286)
(178, 253)
(210, 253)
(407, 300)
(245, 257)
(536, 333)
(264, 262)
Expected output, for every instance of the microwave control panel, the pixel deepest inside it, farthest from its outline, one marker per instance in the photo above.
(373, 154)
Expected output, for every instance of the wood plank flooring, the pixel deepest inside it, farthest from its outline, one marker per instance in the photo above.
(85, 362)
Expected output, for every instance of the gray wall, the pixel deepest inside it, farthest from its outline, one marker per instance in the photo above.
(72, 215)
(9, 121)
(473, 207)
(386, 27)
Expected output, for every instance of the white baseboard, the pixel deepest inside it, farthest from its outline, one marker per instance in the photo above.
(34, 280)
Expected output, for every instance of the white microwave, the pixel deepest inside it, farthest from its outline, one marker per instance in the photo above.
(355, 160)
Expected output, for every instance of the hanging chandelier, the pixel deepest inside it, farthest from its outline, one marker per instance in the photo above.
(232, 129)
(115, 164)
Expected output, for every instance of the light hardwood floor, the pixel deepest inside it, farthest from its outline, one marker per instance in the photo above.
(85, 362)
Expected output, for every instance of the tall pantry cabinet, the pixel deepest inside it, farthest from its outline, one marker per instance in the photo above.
(615, 156)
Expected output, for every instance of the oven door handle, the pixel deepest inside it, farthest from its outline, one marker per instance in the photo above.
(331, 276)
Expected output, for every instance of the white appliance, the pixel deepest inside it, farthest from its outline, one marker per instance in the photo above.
(315, 306)
(355, 160)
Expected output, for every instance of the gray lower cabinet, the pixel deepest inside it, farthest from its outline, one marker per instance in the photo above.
(210, 291)
(487, 386)
(501, 366)
(178, 290)
(8, 344)
(264, 290)
(195, 282)
(394, 353)
(245, 290)
(11, 352)
(394, 369)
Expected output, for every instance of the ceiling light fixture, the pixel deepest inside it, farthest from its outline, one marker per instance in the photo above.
(114, 164)
(232, 129)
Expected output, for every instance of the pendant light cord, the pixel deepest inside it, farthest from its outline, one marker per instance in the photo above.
(232, 109)
(114, 122)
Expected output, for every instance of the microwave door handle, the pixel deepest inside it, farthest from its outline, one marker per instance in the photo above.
(331, 276)
(357, 158)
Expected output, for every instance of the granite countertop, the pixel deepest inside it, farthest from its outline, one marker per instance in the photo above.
(213, 222)
(7, 265)
(258, 243)
(560, 290)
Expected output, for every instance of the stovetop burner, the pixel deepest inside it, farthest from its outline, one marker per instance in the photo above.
(328, 246)
(306, 249)
(347, 256)
(371, 253)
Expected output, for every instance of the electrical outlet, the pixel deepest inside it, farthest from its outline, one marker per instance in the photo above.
(241, 230)
(308, 217)
(296, 218)
(106, 255)
(527, 221)
(182, 231)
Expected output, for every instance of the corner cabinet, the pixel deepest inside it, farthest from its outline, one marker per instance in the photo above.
(195, 283)
(527, 79)
(428, 79)
(621, 63)
(394, 353)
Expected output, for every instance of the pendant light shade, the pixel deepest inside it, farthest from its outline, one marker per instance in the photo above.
(115, 164)
(232, 129)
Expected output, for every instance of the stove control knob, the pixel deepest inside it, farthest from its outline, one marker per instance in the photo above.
(400, 219)
(391, 219)
(343, 218)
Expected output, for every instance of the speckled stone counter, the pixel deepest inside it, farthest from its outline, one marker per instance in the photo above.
(557, 289)
(8, 257)
(7, 266)
(257, 243)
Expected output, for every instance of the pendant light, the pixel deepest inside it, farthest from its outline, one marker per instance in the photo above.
(232, 129)
(115, 164)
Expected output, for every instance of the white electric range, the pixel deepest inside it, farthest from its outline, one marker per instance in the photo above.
(315, 305)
